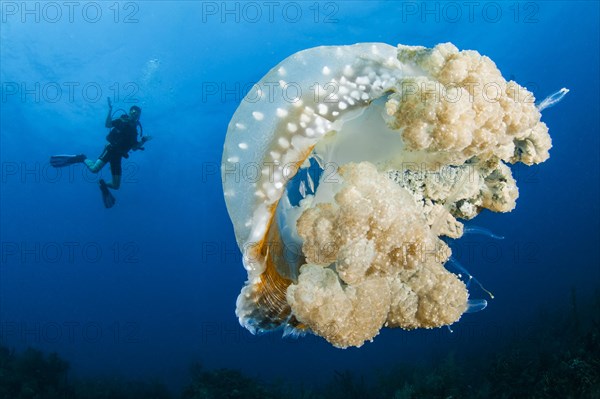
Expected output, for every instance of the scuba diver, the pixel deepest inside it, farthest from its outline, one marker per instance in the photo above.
(122, 138)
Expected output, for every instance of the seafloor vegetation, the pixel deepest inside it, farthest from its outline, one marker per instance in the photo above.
(558, 358)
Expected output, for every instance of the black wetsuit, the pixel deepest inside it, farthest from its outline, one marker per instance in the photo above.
(121, 139)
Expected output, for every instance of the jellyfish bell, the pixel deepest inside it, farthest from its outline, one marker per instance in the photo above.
(406, 141)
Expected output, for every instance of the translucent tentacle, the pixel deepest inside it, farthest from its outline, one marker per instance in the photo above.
(482, 231)
(552, 99)
(302, 189)
(470, 277)
(476, 305)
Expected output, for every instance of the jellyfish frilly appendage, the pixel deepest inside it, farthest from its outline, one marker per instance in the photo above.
(414, 140)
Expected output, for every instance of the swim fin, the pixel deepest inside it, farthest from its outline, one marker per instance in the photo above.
(59, 161)
(108, 199)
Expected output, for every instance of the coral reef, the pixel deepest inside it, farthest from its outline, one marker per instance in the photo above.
(556, 357)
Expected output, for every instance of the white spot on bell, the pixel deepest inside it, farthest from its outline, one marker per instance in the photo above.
(282, 113)
(326, 71)
(283, 142)
(243, 146)
(259, 116)
(348, 71)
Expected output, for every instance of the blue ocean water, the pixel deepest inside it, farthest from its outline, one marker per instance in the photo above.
(149, 286)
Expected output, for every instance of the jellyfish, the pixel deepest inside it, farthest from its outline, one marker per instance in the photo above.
(345, 166)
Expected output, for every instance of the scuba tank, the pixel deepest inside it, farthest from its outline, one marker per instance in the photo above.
(124, 115)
